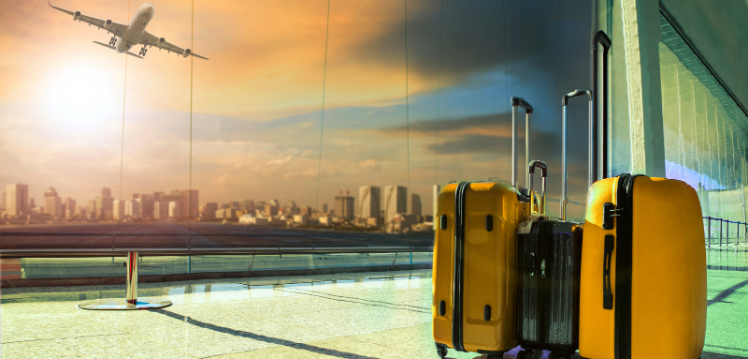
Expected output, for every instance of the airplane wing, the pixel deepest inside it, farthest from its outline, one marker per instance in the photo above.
(115, 28)
(149, 39)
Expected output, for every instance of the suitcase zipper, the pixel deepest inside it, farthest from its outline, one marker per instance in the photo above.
(459, 250)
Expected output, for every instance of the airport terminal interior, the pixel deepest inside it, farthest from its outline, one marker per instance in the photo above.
(267, 179)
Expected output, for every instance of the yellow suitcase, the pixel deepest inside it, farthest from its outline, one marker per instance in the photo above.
(474, 272)
(643, 281)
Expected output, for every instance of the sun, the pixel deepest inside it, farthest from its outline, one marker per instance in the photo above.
(82, 95)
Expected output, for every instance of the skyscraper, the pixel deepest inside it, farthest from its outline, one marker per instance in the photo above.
(118, 209)
(160, 210)
(189, 203)
(106, 192)
(17, 199)
(369, 199)
(415, 204)
(395, 201)
(52, 204)
(211, 208)
(3, 201)
(344, 207)
(132, 208)
(69, 208)
(174, 210)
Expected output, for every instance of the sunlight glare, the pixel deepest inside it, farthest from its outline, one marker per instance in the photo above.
(82, 96)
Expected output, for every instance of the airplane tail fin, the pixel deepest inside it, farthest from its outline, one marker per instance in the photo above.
(114, 48)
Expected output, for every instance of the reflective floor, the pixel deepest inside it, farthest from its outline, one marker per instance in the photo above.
(363, 315)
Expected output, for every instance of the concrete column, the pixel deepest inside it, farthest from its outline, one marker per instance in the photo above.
(641, 37)
(636, 130)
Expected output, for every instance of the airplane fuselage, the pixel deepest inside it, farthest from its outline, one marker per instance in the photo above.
(138, 23)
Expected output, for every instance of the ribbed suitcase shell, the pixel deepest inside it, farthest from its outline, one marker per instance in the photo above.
(548, 299)
(657, 271)
(488, 273)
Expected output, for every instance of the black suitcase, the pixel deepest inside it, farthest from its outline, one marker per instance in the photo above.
(549, 267)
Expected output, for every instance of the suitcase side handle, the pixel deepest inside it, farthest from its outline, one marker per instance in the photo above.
(518, 102)
(544, 173)
(564, 102)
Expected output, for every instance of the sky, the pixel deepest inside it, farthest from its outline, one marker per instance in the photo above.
(269, 116)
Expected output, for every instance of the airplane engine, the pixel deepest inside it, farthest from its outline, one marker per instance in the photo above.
(161, 42)
(76, 15)
(108, 24)
(187, 52)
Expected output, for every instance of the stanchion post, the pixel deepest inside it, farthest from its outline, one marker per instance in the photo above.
(720, 233)
(131, 296)
(709, 231)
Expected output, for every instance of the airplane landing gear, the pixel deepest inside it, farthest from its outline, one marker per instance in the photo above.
(113, 41)
(143, 51)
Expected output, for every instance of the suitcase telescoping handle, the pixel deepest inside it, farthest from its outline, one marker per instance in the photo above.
(602, 94)
(564, 102)
(544, 172)
(516, 103)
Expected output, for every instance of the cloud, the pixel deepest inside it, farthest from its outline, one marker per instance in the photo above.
(370, 164)
(222, 179)
(280, 161)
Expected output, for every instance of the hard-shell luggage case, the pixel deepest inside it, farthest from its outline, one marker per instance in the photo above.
(643, 280)
(549, 265)
(549, 254)
(474, 277)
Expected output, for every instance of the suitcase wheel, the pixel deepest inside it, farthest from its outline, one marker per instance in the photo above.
(441, 350)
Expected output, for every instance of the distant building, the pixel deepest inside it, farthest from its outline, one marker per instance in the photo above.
(160, 210)
(324, 208)
(435, 205)
(70, 206)
(3, 199)
(32, 203)
(254, 220)
(157, 196)
(132, 209)
(227, 213)
(249, 205)
(415, 204)
(395, 198)
(106, 192)
(270, 210)
(17, 200)
(344, 207)
(52, 204)
(146, 205)
(301, 219)
(305, 210)
(369, 200)
(174, 208)
(91, 209)
(118, 211)
(104, 204)
(189, 203)
(210, 210)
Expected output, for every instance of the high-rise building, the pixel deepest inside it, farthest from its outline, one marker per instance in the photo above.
(106, 192)
(70, 205)
(104, 204)
(210, 210)
(17, 199)
(249, 205)
(270, 210)
(189, 203)
(2, 201)
(160, 210)
(344, 207)
(91, 210)
(32, 204)
(369, 199)
(174, 208)
(132, 209)
(157, 196)
(146, 205)
(118, 209)
(306, 210)
(324, 208)
(52, 204)
(395, 201)
(415, 204)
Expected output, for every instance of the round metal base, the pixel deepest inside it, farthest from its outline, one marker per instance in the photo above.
(121, 304)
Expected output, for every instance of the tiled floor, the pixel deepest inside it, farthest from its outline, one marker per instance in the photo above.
(366, 315)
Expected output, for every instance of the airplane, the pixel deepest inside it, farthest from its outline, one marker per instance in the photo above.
(134, 33)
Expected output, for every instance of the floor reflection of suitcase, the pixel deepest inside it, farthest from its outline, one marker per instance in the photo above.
(474, 276)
